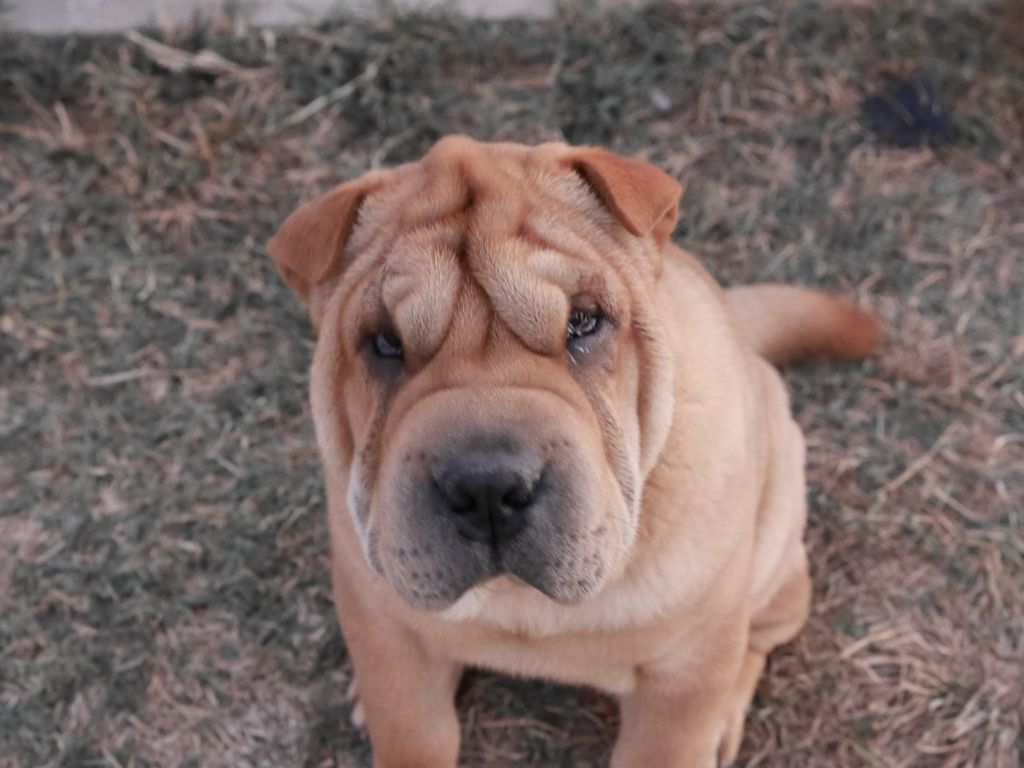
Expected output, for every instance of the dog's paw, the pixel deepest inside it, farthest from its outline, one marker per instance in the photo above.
(357, 715)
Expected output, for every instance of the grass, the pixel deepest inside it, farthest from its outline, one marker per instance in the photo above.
(164, 598)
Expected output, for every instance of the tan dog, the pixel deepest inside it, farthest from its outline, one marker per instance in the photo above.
(553, 445)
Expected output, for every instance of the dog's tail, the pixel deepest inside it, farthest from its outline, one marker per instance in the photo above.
(787, 323)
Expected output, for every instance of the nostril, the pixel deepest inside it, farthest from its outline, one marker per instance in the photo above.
(517, 499)
(521, 494)
(461, 505)
(456, 497)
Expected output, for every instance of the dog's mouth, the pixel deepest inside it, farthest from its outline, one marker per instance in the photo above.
(434, 559)
(497, 516)
(567, 588)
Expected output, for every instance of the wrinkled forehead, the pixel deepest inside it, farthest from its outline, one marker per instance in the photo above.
(458, 247)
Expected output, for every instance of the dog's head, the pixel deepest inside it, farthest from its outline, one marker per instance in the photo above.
(488, 378)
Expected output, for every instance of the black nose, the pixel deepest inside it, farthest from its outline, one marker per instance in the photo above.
(488, 492)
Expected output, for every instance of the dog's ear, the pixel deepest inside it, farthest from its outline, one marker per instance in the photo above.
(643, 198)
(308, 249)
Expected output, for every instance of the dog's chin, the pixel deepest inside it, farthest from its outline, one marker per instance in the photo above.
(420, 580)
(565, 592)
(569, 584)
(429, 602)
(507, 585)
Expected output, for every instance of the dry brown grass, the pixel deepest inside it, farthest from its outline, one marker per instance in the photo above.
(163, 576)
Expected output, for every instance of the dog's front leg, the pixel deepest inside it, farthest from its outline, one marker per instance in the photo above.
(407, 696)
(673, 728)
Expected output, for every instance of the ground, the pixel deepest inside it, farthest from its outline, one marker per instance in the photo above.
(164, 596)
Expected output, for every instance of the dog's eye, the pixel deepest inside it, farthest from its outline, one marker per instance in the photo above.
(387, 344)
(582, 323)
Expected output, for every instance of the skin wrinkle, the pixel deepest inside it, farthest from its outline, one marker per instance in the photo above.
(368, 255)
(533, 388)
(614, 447)
(550, 266)
(474, 290)
(580, 251)
(456, 302)
(530, 309)
(361, 307)
(576, 197)
(560, 239)
(502, 280)
(601, 239)
(418, 295)
(369, 456)
(441, 194)
(654, 367)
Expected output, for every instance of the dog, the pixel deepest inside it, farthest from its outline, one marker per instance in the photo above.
(553, 445)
